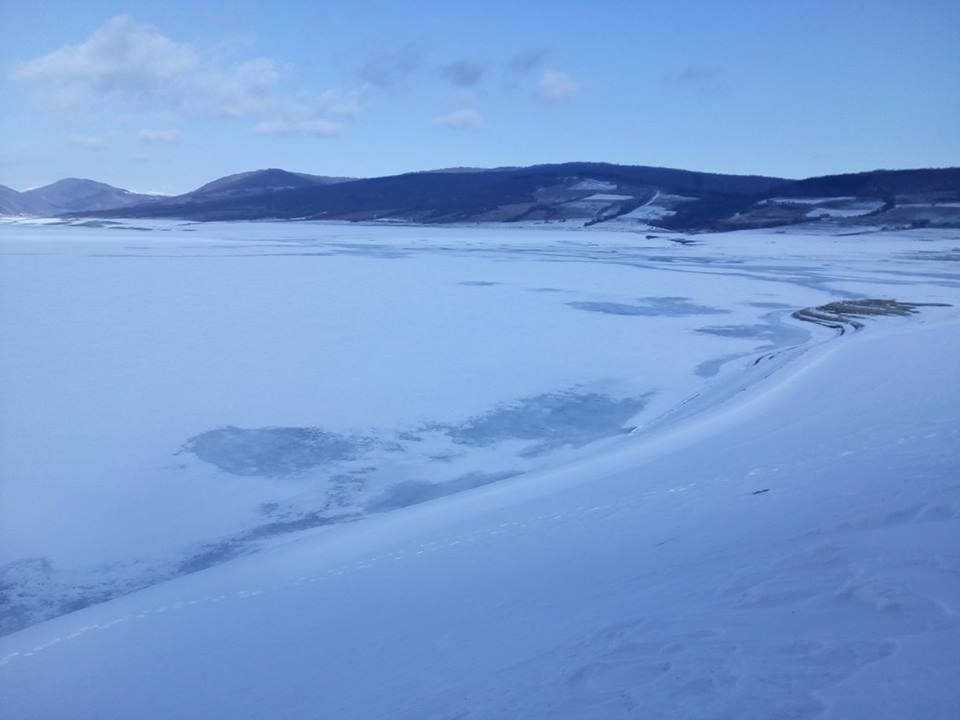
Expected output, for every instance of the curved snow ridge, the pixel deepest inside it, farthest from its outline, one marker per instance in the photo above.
(769, 369)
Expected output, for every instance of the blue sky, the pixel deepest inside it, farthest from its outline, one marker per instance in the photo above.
(163, 96)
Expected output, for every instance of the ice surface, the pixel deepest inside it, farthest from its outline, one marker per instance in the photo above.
(256, 403)
(651, 307)
(789, 554)
(270, 451)
(551, 420)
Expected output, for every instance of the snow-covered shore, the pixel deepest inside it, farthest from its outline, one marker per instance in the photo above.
(792, 554)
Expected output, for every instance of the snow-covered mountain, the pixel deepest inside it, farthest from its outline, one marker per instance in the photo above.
(435, 473)
(76, 195)
(72, 195)
(16, 203)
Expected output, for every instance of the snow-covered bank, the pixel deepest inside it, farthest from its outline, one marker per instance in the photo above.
(795, 555)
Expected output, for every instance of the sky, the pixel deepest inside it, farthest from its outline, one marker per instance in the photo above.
(164, 96)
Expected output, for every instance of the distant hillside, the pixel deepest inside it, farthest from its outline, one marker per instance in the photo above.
(891, 198)
(78, 195)
(580, 192)
(258, 181)
(16, 203)
(624, 197)
(881, 183)
(72, 195)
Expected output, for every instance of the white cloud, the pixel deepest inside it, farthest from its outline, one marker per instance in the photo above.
(137, 65)
(312, 117)
(465, 118)
(161, 137)
(89, 142)
(557, 86)
(121, 58)
(345, 104)
(249, 88)
(307, 127)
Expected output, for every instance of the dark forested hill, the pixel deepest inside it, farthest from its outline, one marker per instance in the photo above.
(589, 194)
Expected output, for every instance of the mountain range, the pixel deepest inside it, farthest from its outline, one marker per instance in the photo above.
(70, 195)
(584, 194)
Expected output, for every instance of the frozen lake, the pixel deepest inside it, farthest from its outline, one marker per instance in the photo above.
(177, 395)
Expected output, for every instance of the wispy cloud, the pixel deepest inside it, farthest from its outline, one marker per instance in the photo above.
(695, 75)
(392, 67)
(526, 61)
(464, 73)
(249, 88)
(462, 119)
(315, 117)
(346, 104)
(161, 137)
(306, 127)
(89, 142)
(556, 86)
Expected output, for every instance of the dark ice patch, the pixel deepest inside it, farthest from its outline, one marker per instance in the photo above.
(270, 450)
(651, 307)
(952, 255)
(609, 308)
(304, 521)
(770, 305)
(478, 283)
(344, 489)
(709, 368)
(552, 420)
(761, 332)
(414, 492)
(774, 332)
(210, 555)
(246, 543)
(86, 223)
